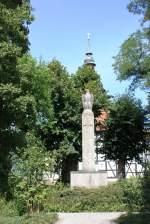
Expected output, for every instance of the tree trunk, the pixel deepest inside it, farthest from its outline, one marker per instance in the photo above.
(69, 164)
(121, 174)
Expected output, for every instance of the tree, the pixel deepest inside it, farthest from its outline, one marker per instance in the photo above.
(88, 78)
(124, 138)
(133, 59)
(35, 82)
(14, 21)
(61, 135)
(31, 157)
(140, 7)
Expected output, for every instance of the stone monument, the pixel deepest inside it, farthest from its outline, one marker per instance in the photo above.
(88, 177)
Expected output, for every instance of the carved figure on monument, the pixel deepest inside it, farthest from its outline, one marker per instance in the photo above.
(87, 100)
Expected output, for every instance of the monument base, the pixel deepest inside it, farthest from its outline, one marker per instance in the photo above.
(88, 179)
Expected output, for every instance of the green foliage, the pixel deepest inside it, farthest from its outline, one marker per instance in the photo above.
(36, 97)
(35, 83)
(146, 187)
(34, 219)
(124, 139)
(61, 135)
(138, 218)
(65, 104)
(125, 195)
(27, 107)
(9, 214)
(8, 209)
(133, 193)
(27, 176)
(88, 78)
(14, 23)
(15, 18)
(133, 60)
(121, 196)
(140, 7)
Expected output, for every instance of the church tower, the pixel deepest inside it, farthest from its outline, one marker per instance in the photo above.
(89, 61)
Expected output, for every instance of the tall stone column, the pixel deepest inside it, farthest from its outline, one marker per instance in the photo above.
(88, 154)
(88, 177)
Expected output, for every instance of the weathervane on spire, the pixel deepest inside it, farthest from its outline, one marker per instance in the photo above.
(89, 46)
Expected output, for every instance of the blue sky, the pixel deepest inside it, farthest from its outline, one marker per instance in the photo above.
(60, 30)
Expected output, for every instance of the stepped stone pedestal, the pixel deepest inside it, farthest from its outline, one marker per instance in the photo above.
(88, 177)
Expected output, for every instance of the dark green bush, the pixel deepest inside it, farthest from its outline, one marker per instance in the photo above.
(26, 177)
(146, 188)
(132, 193)
(138, 218)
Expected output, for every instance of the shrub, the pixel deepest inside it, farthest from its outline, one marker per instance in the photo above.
(132, 193)
(26, 177)
(146, 188)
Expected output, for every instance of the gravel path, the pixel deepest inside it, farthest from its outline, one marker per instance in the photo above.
(88, 218)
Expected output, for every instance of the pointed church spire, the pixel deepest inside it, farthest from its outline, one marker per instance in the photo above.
(89, 61)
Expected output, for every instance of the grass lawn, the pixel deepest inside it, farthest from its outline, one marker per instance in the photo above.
(139, 218)
(35, 219)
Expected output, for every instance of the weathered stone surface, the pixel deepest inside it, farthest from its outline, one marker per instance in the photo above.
(88, 149)
(88, 179)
